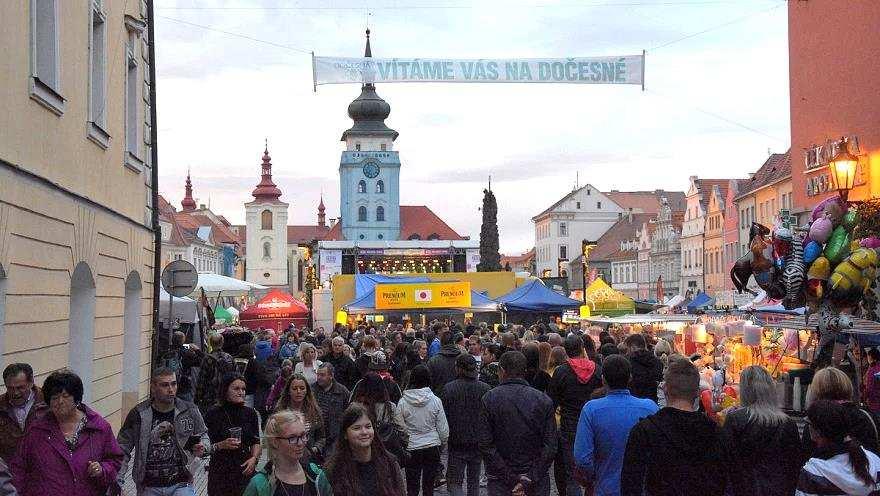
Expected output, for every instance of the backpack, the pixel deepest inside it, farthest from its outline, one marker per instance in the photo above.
(215, 368)
(393, 437)
(172, 360)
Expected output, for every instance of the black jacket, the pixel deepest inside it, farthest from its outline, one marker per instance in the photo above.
(517, 431)
(332, 403)
(765, 459)
(461, 402)
(647, 372)
(442, 366)
(674, 452)
(864, 427)
(344, 369)
(570, 389)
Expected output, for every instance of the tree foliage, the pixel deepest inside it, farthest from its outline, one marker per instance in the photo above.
(490, 258)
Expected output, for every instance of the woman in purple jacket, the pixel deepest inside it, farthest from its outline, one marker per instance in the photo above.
(70, 451)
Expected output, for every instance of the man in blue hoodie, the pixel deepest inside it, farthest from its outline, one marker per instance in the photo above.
(604, 427)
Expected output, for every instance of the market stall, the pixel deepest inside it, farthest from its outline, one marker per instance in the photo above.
(604, 300)
(277, 310)
(215, 285)
(533, 301)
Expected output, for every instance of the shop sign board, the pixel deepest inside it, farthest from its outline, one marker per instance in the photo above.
(331, 264)
(473, 259)
(455, 294)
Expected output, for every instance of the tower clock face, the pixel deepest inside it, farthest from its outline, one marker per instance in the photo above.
(371, 169)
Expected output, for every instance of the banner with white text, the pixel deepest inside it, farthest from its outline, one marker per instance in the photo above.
(629, 69)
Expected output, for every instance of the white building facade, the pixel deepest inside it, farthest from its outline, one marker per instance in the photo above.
(266, 224)
(585, 213)
(692, 240)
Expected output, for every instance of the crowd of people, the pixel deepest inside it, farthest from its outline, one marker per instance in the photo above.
(394, 411)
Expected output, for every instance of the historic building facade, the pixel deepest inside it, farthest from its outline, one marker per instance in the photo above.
(76, 242)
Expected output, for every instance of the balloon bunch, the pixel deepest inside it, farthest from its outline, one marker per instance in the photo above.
(807, 265)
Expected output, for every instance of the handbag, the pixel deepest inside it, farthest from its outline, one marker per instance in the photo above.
(393, 437)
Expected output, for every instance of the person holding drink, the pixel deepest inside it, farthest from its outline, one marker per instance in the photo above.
(234, 430)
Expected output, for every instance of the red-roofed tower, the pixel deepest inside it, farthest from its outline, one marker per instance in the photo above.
(188, 203)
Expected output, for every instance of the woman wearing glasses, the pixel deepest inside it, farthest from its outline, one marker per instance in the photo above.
(71, 450)
(284, 474)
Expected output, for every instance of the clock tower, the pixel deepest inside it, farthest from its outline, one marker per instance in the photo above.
(369, 171)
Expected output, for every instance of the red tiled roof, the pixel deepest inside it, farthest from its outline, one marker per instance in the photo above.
(515, 259)
(608, 246)
(297, 235)
(647, 201)
(221, 233)
(414, 219)
(707, 185)
(775, 168)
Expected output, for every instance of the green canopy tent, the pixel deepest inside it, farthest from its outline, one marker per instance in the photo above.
(222, 315)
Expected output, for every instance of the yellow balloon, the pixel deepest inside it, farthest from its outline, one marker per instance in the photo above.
(819, 269)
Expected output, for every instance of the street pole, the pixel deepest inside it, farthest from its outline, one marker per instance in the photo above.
(154, 175)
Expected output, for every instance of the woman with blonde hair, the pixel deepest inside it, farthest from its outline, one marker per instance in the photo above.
(308, 366)
(299, 398)
(763, 440)
(834, 385)
(286, 438)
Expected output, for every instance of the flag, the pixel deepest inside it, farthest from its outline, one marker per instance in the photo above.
(423, 295)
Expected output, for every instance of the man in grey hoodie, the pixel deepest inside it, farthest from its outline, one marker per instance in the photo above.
(169, 434)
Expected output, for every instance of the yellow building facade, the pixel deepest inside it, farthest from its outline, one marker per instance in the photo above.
(76, 246)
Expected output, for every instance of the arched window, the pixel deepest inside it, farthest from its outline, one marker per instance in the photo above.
(433, 236)
(81, 322)
(267, 250)
(362, 186)
(380, 186)
(414, 236)
(380, 214)
(266, 218)
(131, 341)
(362, 213)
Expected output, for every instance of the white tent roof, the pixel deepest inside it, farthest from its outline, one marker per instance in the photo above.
(217, 285)
(185, 309)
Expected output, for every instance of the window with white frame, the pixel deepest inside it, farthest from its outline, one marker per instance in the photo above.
(132, 122)
(97, 75)
(563, 252)
(45, 78)
(563, 229)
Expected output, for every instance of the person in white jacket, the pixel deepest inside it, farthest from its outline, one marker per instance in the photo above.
(421, 412)
(840, 465)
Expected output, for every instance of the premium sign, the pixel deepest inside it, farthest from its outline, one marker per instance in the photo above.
(423, 295)
(628, 69)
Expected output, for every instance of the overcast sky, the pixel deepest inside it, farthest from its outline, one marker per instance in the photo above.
(716, 100)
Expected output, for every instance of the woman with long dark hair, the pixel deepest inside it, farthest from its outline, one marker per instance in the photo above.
(840, 465)
(360, 465)
(764, 441)
(298, 397)
(536, 377)
(234, 429)
(373, 395)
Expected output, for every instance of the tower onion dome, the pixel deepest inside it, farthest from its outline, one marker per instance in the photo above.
(369, 110)
(267, 190)
(188, 202)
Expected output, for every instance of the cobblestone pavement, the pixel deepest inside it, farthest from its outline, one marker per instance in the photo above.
(201, 485)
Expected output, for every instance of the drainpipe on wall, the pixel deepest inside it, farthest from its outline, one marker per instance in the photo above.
(154, 161)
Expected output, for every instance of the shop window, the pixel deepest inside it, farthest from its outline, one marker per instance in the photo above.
(81, 322)
(380, 186)
(380, 214)
(266, 220)
(362, 186)
(362, 213)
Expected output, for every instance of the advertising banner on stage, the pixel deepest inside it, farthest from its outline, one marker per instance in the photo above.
(473, 259)
(330, 264)
(627, 69)
(423, 295)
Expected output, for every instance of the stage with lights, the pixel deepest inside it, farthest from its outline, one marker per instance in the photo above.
(396, 257)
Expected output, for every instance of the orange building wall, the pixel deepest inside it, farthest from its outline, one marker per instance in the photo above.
(834, 48)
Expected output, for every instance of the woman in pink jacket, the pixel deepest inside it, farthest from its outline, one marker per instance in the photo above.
(71, 450)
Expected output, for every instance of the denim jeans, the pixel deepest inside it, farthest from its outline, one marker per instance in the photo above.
(563, 467)
(421, 470)
(497, 487)
(459, 461)
(175, 490)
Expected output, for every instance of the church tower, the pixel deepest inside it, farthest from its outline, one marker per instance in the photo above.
(369, 171)
(266, 225)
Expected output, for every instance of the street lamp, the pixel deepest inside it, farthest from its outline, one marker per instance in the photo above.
(843, 169)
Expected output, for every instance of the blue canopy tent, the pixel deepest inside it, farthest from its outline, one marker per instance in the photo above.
(702, 300)
(366, 283)
(533, 296)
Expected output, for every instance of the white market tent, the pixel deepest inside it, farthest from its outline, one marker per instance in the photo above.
(186, 309)
(216, 285)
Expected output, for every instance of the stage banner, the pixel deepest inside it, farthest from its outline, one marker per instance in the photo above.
(423, 295)
(628, 69)
(330, 265)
